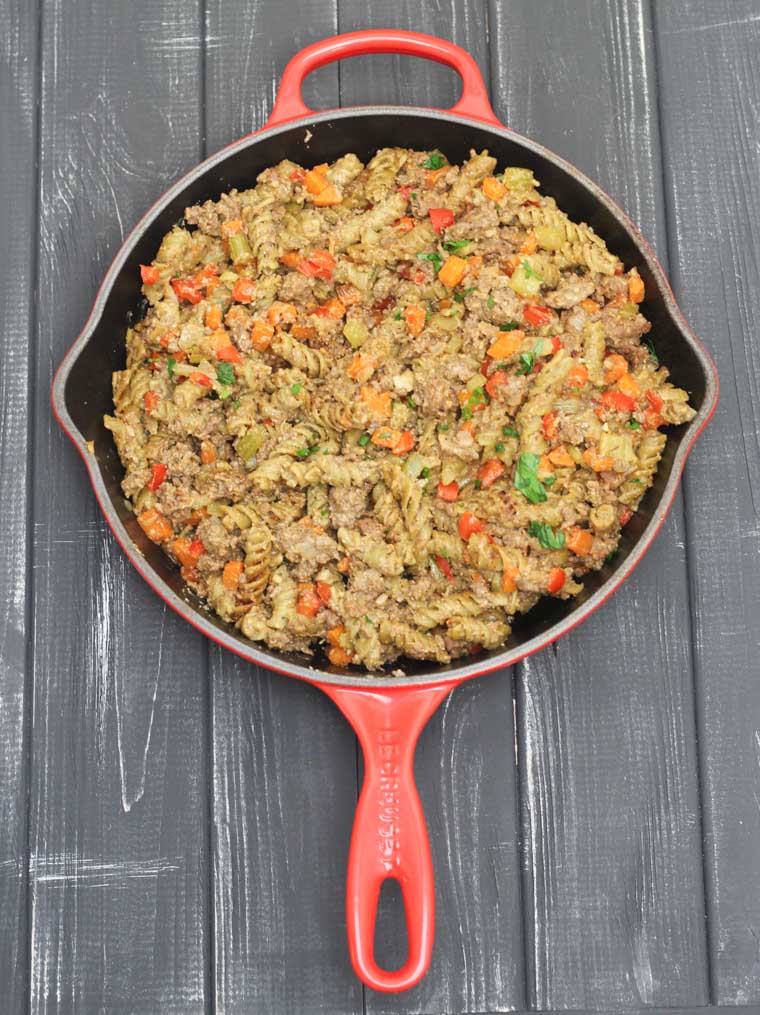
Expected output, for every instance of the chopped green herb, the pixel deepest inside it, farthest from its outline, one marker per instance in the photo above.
(170, 365)
(453, 245)
(635, 480)
(411, 402)
(413, 195)
(397, 316)
(435, 259)
(295, 388)
(435, 161)
(526, 478)
(529, 272)
(549, 480)
(225, 373)
(466, 412)
(364, 440)
(548, 537)
(425, 473)
(443, 426)
(461, 297)
(224, 392)
(428, 315)
(652, 353)
(479, 392)
(526, 363)
(610, 556)
(477, 484)
(510, 326)
(509, 431)
(236, 404)
(498, 447)
(324, 512)
(368, 618)
(490, 302)
(634, 424)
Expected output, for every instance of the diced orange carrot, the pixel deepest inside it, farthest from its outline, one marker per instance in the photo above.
(281, 313)
(188, 553)
(150, 401)
(530, 244)
(232, 228)
(556, 580)
(308, 603)
(157, 528)
(261, 335)
(549, 425)
(629, 387)
(201, 379)
(315, 182)
(233, 570)
(617, 365)
(290, 259)
(385, 437)
(579, 541)
(510, 265)
(577, 375)
(490, 471)
(404, 444)
(361, 367)
(453, 270)
(415, 319)
(344, 565)
(334, 635)
(333, 308)
(328, 196)
(590, 306)
(378, 401)
(244, 290)
(404, 225)
(321, 168)
(214, 317)
(433, 175)
(545, 467)
(636, 291)
(509, 579)
(303, 332)
(339, 657)
(208, 452)
(493, 188)
(506, 344)
(594, 461)
(559, 456)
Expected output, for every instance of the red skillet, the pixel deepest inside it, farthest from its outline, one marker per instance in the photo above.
(389, 838)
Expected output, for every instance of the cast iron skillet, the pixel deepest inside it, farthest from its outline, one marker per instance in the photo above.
(389, 839)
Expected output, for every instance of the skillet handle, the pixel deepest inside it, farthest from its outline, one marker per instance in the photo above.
(389, 838)
(473, 102)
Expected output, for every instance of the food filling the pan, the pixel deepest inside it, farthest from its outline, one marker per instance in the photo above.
(382, 409)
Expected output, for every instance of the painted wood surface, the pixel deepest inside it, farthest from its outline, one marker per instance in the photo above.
(174, 823)
(709, 55)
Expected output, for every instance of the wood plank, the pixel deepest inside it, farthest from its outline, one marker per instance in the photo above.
(118, 826)
(19, 79)
(284, 780)
(466, 761)
(710, 95)
(613, 878)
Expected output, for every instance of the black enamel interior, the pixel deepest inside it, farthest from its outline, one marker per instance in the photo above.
(87, 391)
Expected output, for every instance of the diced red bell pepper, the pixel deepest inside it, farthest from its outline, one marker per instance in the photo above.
(497, 379)
(468, 525)
(444, 567)
(157, 476)
(187, 289)
(617, 401)
(556, 580)
(441, 218)
(229, 354)
(319, 264)
(324, 591)
(537, 316)
(448, 491)
(490, 471)
(149, 274)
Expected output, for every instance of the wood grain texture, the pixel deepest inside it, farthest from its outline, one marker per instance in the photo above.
(466, 760)
(118, 865)
(284, 776)
(612, 850)
(18, 128)
(709, 71)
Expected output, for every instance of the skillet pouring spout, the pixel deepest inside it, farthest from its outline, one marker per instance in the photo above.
(388, 712)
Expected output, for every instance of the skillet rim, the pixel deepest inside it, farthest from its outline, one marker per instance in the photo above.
(453, 674)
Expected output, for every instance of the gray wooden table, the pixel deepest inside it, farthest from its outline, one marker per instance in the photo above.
(174, 823)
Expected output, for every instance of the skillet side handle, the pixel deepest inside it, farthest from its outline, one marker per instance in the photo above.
(389, 838)
(473, 102)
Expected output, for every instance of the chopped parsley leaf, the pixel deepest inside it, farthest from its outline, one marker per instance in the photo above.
(477, 484)
(236, 404)
(170, 365)
(443, 426)
(460, 297)
(547, 537)
(498, 447)
(364, 440)
(466, 412)
(425, 473)
(490, 302)
(225, 373)
(435, 161)
(526, 478)
(526, 363)
(529, 272)
(510, 326)
(411, 402)
(397, 316)
(634, 424)
(652, 353)
(435, 259)
(453, 245)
